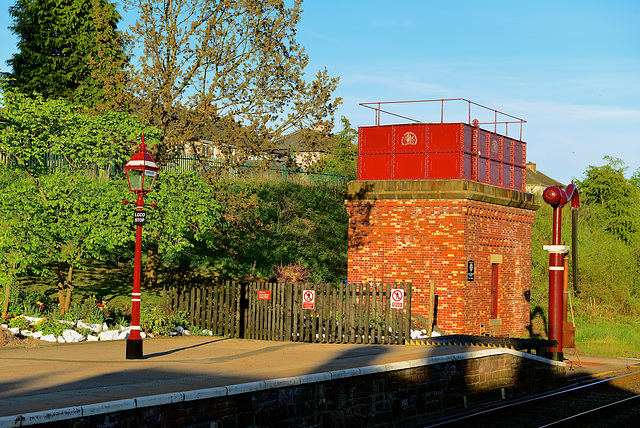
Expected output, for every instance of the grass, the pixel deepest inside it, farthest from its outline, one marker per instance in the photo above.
(620, 338)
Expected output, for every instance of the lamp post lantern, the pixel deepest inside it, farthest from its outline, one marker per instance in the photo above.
(142, 172)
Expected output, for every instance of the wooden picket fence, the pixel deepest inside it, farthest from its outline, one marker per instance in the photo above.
(325, 313)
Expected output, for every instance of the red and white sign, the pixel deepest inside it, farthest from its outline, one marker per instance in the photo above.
(264, 295)
(308, 299)
(397, 298)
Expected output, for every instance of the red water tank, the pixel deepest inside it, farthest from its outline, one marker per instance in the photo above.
(424, 151)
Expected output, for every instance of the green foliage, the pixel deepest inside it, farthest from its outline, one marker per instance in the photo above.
(612, 199)
(343, 157)
(51, 326)
(152, 319)
(69, 214)
(608, 245)
(19, 322)
(68, 49)
(89, 310)
(35, 132)
(29, 303)
(292, 224)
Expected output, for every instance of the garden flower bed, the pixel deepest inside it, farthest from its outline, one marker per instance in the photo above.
(36, 317)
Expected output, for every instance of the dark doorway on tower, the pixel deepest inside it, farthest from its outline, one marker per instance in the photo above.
(495, 276)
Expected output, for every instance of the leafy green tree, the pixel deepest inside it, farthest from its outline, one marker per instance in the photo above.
(22, 249)
(612, 198)
(75, 213)
(230, 72)
(187, 211)
(67, 49)
(343, 157)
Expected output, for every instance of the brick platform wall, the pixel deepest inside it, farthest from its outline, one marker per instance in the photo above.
(418, 240)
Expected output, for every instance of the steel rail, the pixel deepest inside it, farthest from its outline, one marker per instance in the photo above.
(594, 412)
(562, 393)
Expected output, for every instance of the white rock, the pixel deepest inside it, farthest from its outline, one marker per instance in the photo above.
(179, 329)
(37, 335)
(109, 335)
(14, 330)
(95, 328)
(61, 339)
(26, 332)
(207, 332)
(32, 320)
(123, 335)
(105, 327)
(92, 338)
(4, 326)
(186, 332)
(72, 336)
(435, 334)
(49, 338)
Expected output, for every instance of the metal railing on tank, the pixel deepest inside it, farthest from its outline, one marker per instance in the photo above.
(472, 109)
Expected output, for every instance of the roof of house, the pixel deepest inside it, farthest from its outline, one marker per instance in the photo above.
(536, 178)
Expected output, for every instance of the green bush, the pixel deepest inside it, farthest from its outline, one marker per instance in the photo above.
(152, 319)
(29, 303)
(19, 322)
(89, 310)
(50, 326)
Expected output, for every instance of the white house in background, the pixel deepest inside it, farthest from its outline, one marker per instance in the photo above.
(293, 148)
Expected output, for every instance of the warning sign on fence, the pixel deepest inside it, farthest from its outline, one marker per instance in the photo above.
(397, 298)
(308, 299)
(264, 295)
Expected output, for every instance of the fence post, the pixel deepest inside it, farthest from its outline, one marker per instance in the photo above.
(407, 296)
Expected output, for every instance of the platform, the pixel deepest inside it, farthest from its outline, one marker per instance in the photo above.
(62, 376)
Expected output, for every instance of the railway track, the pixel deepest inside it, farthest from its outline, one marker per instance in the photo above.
(603, 403)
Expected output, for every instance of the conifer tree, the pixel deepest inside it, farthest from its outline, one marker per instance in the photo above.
(67, 48)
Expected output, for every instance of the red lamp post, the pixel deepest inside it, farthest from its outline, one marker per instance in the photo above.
(142, 172)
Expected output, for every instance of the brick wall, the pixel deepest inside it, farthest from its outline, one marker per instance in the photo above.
(417, 239)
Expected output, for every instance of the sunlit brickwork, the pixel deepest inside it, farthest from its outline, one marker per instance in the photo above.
(420, 239)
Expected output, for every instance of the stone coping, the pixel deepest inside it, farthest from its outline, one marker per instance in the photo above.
(67, 413)
(440, 189)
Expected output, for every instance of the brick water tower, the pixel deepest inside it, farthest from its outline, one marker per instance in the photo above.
(444, 203)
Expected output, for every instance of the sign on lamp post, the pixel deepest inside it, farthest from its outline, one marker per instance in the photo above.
(142, 172)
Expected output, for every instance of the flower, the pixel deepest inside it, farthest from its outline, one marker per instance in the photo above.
(40, 304)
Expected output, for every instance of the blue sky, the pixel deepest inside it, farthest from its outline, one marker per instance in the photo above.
(571, 69)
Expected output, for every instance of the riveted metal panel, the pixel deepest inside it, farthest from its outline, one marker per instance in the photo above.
(409, 166)
(507, 150)
(445, 137)
(447, 165)
(519, 155)
(507, 175)
(375, 167)
(519, 177)
(375, 140)
(468, 164)
(410, 138)
(468, 146)
(483, 143)
(494, 172)
(483, 169)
